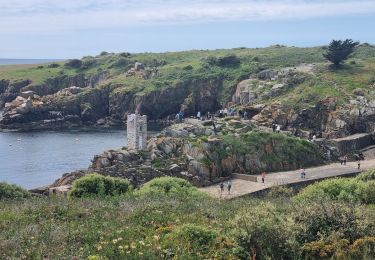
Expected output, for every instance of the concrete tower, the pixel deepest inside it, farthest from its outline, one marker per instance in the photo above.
(137, 132)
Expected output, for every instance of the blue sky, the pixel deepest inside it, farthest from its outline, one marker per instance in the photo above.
(75, 28)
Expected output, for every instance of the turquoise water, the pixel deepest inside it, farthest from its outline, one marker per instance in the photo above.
(35, 159)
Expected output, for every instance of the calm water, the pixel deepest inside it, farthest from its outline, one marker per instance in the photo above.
(35, 159)
(25, 61)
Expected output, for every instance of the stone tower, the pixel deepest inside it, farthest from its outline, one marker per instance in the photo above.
(137, 132)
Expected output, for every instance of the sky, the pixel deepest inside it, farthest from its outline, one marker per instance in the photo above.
(74, 28)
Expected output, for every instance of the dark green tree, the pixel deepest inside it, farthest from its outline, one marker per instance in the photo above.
(338, 51)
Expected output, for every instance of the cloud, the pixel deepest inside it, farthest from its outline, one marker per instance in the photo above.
(46, 16)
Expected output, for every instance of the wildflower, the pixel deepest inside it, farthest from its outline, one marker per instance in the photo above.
(81, 248)
(114, 241)
(99, 247)
(156, 237)
(126, 246)
(158, 248)
(140, 253)
(119, 239)
(133, 246)
(142, 242)
(120, 247)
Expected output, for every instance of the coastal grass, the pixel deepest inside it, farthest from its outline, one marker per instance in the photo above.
(181, 227)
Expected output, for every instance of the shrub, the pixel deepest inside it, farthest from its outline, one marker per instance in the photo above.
(199, 242)
(188, 67)
(229, 61)
(366, 176)
(264, 232)
(168, 186)
(350, 190)
(277, 192)
(125, 54)
(75, 64)
(99, 185)
(362, 248)
(316, 220)
(121, 62)
(53, 65)
(88, 62)
(197, 236)
(11, 191)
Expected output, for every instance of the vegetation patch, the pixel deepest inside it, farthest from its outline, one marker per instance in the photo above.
(99, 186)
(12, 191)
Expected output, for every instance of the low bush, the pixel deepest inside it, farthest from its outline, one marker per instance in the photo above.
(75, 64)
(53, 65)
(363, 248)
(263, 232)
(280, 192)
(100, 186)
(350, 190)
(169, 186)
(367, 176)
(11, 191)
(322, 219)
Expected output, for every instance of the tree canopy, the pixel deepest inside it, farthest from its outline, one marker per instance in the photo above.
(339, 50)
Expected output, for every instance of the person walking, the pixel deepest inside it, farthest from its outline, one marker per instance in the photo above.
(263, 176)
(302, 173)
(359, 164)
(245, 114)
(278, 128)
(225, 112)
(345, 159)
(229, 186)
(273, 127)
(199, 115)
(221, 188)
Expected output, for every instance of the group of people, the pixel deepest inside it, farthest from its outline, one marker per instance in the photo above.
(276, 128)
(180, 116)
(222, 113)
(227, 185)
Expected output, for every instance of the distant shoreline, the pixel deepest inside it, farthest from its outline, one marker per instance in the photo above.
(26, 61)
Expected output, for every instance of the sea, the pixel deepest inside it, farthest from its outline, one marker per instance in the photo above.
(35, 159)
(25, 61)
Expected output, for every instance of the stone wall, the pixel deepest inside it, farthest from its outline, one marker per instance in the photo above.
(352, 143)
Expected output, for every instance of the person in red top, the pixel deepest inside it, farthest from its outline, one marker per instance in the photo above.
(263, 176)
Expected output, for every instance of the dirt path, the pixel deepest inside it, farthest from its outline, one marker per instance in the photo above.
(243, 187)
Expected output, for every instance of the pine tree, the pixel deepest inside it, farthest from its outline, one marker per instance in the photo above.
(338, 51)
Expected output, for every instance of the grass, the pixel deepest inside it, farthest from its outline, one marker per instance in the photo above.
(159, 227)
(188, 67)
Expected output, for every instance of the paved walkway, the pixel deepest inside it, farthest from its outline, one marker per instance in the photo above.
(243, 187)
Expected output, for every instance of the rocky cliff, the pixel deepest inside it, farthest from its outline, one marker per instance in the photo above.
(193, 151)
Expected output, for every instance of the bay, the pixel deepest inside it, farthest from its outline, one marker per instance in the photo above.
(34, 159)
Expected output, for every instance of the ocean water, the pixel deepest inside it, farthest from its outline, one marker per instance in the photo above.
(34, 159)
(25, 61)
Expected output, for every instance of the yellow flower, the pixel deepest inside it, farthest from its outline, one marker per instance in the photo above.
(156, 237)
(114, 241)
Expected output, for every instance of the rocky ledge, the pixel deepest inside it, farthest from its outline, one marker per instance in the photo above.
(204, 152)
